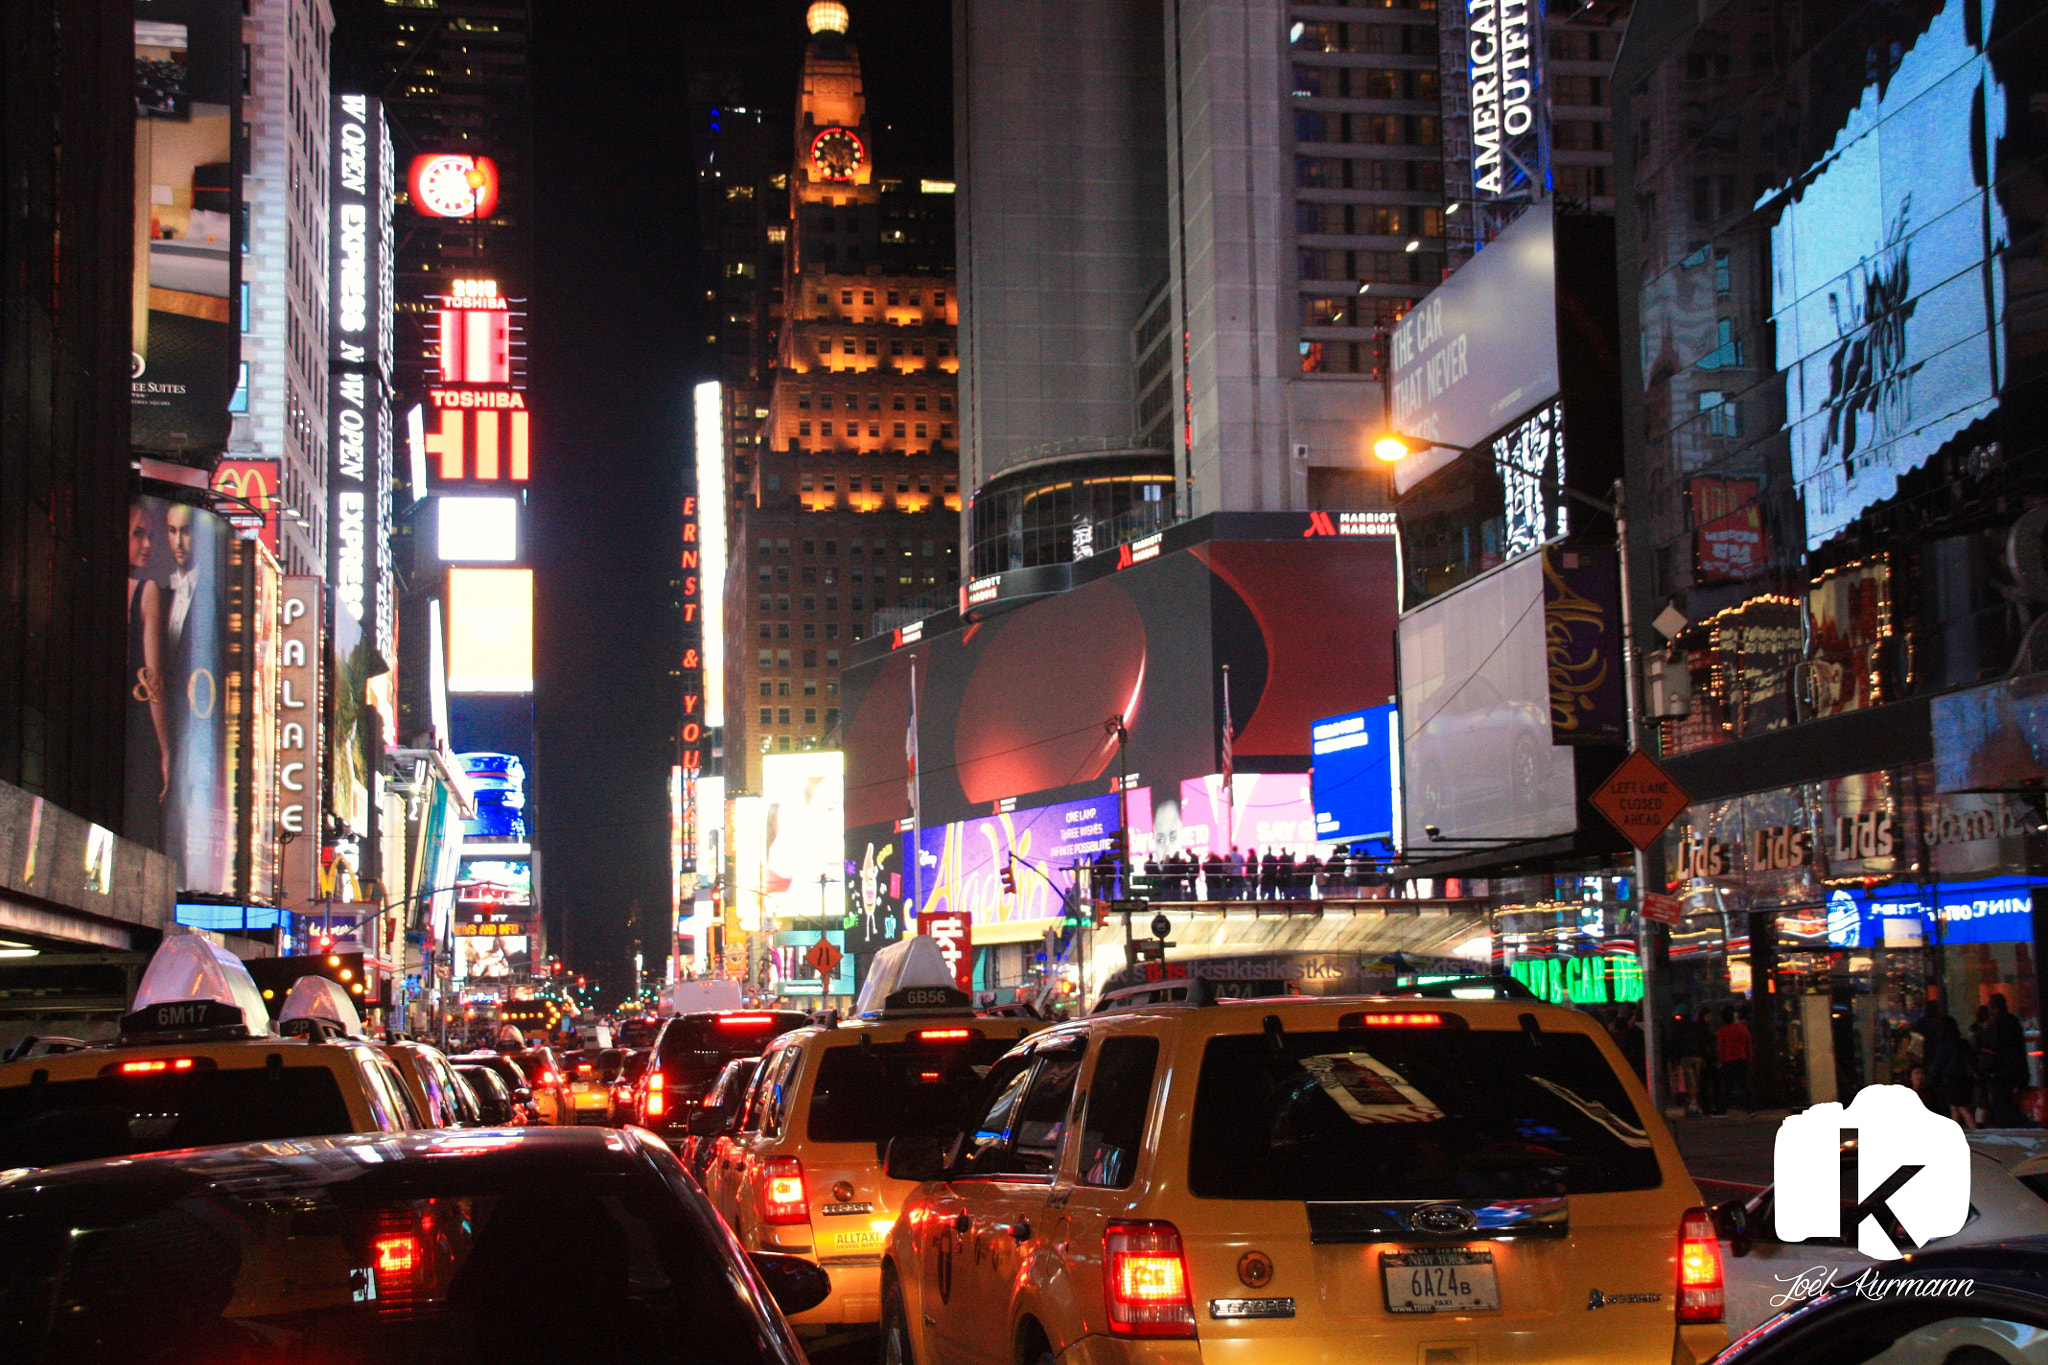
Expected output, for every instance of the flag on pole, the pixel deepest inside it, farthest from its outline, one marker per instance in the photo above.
(1229, 763)
(916, 816)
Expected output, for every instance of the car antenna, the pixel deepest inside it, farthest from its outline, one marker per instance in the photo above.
(1274, 1034)
(1531, 1029)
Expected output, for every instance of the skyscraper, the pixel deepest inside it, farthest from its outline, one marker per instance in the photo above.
(844, 509)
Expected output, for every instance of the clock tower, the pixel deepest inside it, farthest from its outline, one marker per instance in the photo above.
(833, 171)
(848, 510)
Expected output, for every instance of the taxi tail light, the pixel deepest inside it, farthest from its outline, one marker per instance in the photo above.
(1399, 1019)
(155, 1065)
(657, 1095)
(1145, 1281)
(782, 1191)
(1700, 1291)
(744, 1020)
(946, 1035)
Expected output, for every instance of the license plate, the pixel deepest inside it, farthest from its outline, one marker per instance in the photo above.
(590, 1102)
(854, 1241)
(1439, 1281)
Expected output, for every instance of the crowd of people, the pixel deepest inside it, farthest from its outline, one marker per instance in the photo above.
(1243, 875)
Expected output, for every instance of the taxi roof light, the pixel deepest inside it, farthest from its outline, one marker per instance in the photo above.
(322, 999)
(911, 977)
(191, 987)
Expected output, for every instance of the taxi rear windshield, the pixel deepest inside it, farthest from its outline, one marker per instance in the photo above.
(349, 1263)
(1413, 1113)
(42, 1125)
(696, 1050)
(889, 1090)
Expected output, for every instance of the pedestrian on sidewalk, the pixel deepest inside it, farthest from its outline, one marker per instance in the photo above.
(1951, 1075)
(1691, 1063)
(1732, 1046)
(1701, 1027)
(2002, 1058)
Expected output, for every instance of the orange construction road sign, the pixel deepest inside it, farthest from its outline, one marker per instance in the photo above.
(1639, 798)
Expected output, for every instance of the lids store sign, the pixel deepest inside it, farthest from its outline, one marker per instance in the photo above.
(1957, 835)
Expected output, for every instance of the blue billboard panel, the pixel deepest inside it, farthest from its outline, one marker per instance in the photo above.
(1354, 776)
(1999, 910)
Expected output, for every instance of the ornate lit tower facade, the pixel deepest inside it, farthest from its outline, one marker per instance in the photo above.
(848, 511)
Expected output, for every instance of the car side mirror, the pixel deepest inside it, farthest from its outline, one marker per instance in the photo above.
(795, 1284)
(916, 1158)
(1731, 1225)
(522, 1096)
(707, 1122)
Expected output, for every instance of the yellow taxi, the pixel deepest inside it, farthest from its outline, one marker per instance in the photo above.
(198, 1062)
(801, 1172)
(1442, 1182)
(442, 1098)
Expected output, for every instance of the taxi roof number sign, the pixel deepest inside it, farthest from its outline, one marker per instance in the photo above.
(191, 986)
(1640, 799)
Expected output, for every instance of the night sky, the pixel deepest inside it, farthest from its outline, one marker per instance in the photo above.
(616, 343)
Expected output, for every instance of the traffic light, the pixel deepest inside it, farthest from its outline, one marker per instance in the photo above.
(1009, 880)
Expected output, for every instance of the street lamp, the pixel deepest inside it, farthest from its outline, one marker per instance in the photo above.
(1392, 447)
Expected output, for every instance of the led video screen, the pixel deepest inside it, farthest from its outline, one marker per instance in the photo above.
(490, 630)
(1356, 774)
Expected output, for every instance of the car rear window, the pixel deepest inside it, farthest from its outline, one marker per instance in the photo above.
(42, 1125)
(889, 1090)
(390, 1263)
(1413, 1113)
(694, 1051)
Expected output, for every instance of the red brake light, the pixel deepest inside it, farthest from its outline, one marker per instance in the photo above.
(657, 1095)
(156, 1064)
(398, 1255)
(946, 1035)
(1700, 1293)
(1401, 1020)
(1145, 1281)
(583, 1068)
(782, 1192)
(744, 1020)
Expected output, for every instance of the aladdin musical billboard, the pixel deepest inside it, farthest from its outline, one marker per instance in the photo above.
(187, 342)
(180, 798)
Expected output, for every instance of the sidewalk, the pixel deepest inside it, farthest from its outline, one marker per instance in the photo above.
(1728, 1150)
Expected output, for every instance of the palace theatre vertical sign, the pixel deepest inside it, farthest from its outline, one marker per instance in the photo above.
(299, 736)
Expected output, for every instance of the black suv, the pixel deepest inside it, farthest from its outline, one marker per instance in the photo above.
(689, 1054)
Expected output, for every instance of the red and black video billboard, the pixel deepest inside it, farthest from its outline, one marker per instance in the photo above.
(1014, 707)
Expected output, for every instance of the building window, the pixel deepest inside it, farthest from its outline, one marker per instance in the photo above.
(810, 684)
(766, 632)
(767, 715)
(765, 688)
(867, 296)
(810, 658)
(832, 661)
(831, 630)
(767, 602)
(810, 715)
(782, 657)
(782, 744)
(803, 400)
(810, 631)
(765, 659)
(782, 631)
(1723, 417)
(848, 346)
(899, 429)
(782, 688)
(845, 295)
(895, 348)
(872, 346)
(782, 715)
(938, 298)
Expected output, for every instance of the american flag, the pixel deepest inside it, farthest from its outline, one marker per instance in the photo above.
(1228, 732)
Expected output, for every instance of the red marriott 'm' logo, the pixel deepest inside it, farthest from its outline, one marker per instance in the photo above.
(1319, 524)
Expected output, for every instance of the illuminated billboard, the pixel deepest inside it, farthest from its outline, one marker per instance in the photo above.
(187, 260)
(1356, 775)
(248, 485)
(476, 423)
(1886, 296)
(360, 358)
(707, 556)
(1266, 813)
(803, 874)
(477, 530)
(962, 865)
(490, 630)
(453, 185)
(1478, 755)
(749, 858)
(182, 582)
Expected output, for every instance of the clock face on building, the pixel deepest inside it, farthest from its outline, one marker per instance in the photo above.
(837, 153)
(447, 185)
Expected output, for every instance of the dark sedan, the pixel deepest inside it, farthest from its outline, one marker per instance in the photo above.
(1975, 1305)
(422, 1246)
